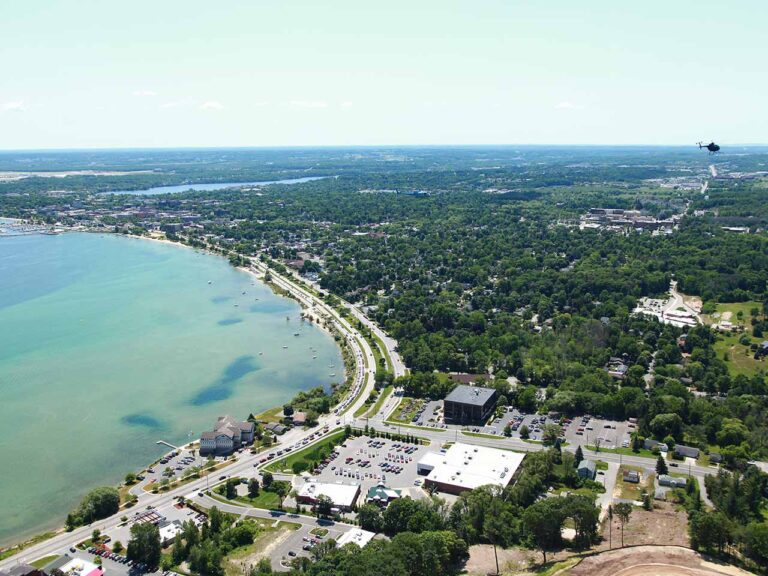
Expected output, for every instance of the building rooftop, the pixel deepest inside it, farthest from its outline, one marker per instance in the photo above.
(355, 536)
(472, 466)
(341, 494)
(470, 395)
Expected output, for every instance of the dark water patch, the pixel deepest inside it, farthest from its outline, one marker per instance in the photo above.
(229, 321)
(143, 421)
(221, 299)
(222, 388)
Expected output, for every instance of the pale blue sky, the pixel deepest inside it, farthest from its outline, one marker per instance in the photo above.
(108, 73)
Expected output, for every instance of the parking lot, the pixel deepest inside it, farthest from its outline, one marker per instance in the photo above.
(516, 420)
(368, 462)
(588, 430)
(174, 464)
(301, 542)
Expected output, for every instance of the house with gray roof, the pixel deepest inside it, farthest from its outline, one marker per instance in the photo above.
(686, 451)
(587, 469)
(672, 481)
(469, 404)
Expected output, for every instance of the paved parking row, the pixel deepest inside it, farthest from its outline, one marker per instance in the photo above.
(368, 462)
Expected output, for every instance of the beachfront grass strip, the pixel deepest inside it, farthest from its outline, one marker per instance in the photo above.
(187, 479)
(312, 453)
(271, 415)
(26, 544)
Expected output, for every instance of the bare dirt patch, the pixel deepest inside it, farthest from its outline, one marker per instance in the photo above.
(664, 525)
(650, 561)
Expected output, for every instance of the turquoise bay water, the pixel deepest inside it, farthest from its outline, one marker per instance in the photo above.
(108, 344)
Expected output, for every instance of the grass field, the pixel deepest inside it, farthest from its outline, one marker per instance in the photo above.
(629, 490)
(309, 454)
(740, 358)
(40, 562)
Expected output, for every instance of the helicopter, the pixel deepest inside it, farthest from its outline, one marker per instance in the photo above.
(712, 147)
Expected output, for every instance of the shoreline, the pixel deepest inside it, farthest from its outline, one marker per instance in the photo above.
(56, 527)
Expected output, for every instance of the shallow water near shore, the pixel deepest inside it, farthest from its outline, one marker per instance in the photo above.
(108, 344)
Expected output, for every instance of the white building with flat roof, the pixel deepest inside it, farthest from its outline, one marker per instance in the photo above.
(343, 496)
(465, 467)
(355, 536)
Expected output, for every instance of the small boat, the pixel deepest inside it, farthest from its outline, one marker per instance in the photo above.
(295, 333)
(314, 357)
(236, 305)
(209, 281)
(243, 291)
(332, 374)
(284, 347)
(261, 353)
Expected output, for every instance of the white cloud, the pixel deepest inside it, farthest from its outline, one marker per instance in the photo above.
(171, 104)
(346, 104)
(144, 93)
(565, 106)
(309, 103)
(211, 105)
(14, 106)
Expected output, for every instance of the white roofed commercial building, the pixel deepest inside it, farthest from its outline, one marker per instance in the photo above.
(355, 536)
(463, 467)
(343, 496)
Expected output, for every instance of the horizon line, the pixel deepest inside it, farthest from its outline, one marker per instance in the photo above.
(368, 146)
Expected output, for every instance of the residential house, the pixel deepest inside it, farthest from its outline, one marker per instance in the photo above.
(632, 476)
(587, 469)
(672, 481)
(686, 451)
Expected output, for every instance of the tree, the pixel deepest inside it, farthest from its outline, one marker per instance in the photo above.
(543, 522)
(97, 504)
(96, 534)
(579, 456)
(622, 510)
(710, 531)
(756, 542)
(130, 478)
(230, 488)
(205, 559)
(661, 466)
(525, 433)
(144, 545)
(370, 518)
(117, 547)
(179, 552)
(324, 506)
(288, 410)
(216, 520)
(497, 529)
(253, 488)
(267, 479)
(281, 488)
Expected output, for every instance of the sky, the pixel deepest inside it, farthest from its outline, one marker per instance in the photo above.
(172, 73)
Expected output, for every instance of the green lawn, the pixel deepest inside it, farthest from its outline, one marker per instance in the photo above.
(271, 415)
(309, 454)
(625, 451)
(40, 562)
(741, 360)
(410, 406)
(266, 500)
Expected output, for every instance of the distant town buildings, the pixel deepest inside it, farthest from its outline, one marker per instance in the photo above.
(620, 219)
(227, 435)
